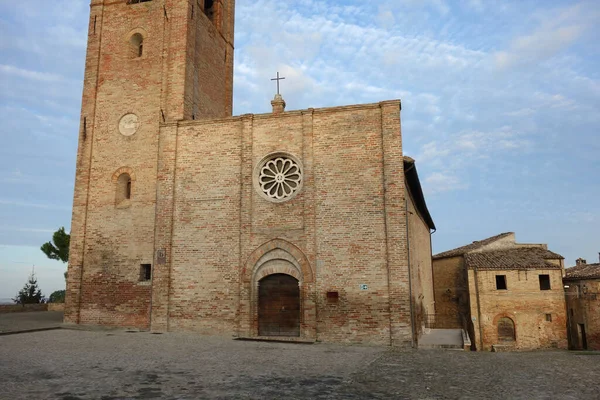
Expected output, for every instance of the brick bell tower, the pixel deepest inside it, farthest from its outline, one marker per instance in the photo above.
(148, 62)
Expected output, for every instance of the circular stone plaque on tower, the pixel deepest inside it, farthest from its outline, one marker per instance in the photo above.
(129, 124)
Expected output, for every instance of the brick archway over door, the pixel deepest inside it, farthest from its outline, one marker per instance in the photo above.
(277, 257)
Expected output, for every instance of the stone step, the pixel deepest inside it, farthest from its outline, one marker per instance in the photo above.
(441, 347)
(277, 339)
(446, 339)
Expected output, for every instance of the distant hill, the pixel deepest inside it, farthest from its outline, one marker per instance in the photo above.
(6, 301)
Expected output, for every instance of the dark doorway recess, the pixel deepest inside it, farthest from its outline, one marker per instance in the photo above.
(279, 306)
(583, 337)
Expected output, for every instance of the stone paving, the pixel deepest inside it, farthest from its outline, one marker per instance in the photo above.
(12, 322)
(70, 365)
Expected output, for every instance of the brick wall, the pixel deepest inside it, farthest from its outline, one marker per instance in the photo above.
(194, 212)
(583, 307)
(336, 226)
(451, 292)
(524, 303)
(421, 269)
(110, 239)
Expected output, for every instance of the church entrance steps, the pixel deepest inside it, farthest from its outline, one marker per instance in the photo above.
(277, 339)
(448, 339)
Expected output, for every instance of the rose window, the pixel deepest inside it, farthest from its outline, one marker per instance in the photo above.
(280, 178)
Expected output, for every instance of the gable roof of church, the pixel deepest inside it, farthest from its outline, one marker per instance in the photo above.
(513, 258)
(416, 191)
(459, 251)
(583, 271)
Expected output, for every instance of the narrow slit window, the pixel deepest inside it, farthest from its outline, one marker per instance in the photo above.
(549, 317)
(501, 282)
(545, 282)
(124, 188)
(137, 1)
(128, 189)
(136, 45)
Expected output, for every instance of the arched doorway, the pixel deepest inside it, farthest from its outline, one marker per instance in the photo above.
(506, 330)
(278, 306)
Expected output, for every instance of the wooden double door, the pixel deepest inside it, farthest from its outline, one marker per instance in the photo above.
(279, 306)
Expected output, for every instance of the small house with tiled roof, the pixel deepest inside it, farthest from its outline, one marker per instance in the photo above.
(508, 295)
(582, 292)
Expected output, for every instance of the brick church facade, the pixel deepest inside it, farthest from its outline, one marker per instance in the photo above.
(307, 223)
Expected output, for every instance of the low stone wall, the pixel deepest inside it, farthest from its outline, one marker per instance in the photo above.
(56, 306)
(15, 308)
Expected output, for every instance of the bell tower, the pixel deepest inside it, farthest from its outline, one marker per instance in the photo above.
(148, 62)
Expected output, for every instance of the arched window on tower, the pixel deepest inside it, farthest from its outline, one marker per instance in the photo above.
(136, 45)
(123, 188)
(209, 9)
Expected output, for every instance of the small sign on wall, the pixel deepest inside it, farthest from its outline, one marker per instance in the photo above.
(161, 256)
(363, 286)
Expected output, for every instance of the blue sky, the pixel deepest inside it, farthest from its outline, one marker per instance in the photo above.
(501, 109)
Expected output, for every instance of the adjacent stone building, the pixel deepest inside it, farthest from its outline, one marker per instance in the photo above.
(508, 295)
(582, 291)
(307, 223)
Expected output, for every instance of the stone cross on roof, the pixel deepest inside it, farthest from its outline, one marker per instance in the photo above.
(278, 79)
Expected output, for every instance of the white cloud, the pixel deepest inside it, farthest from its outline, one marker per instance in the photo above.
(439, 5)
(26, 74)
(28, 230)
(26, 204)
(476, 5)
(555, 34)
(523, 112)
(439, 182)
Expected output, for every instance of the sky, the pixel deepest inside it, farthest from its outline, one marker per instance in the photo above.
(500, 109)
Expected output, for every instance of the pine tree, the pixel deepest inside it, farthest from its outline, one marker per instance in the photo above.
(31, 293)
(59, 250)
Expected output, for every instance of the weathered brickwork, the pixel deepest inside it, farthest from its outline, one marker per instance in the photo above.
(353, 232)
(524, 303)
(582, 291)
(419, 240)
(451, 292)
(113, 240)
(468, 294)
(583, 307)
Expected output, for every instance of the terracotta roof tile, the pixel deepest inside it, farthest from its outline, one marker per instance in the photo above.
(514, 258)
(584, 271)
(470, 247)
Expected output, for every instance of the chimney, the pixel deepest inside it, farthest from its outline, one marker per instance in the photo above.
(581, 261)
(278, 104)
